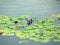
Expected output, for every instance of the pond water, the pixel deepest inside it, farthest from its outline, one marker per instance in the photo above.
(35, 8)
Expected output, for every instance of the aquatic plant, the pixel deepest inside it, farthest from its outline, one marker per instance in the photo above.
(43, 31)
(56, 16)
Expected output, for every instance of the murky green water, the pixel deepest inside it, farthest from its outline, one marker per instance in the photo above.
(35, 8)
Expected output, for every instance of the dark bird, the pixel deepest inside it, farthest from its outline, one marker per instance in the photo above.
(29, 21)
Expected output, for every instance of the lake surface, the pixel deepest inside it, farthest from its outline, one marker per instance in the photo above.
(35, 8)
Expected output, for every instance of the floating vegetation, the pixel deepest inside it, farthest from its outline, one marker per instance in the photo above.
(42, 31)
(57, 16)
(1, 32)
(24, 41)
(57, 40)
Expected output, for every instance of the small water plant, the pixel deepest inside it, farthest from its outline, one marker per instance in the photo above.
(56, 16)
(42, 31)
